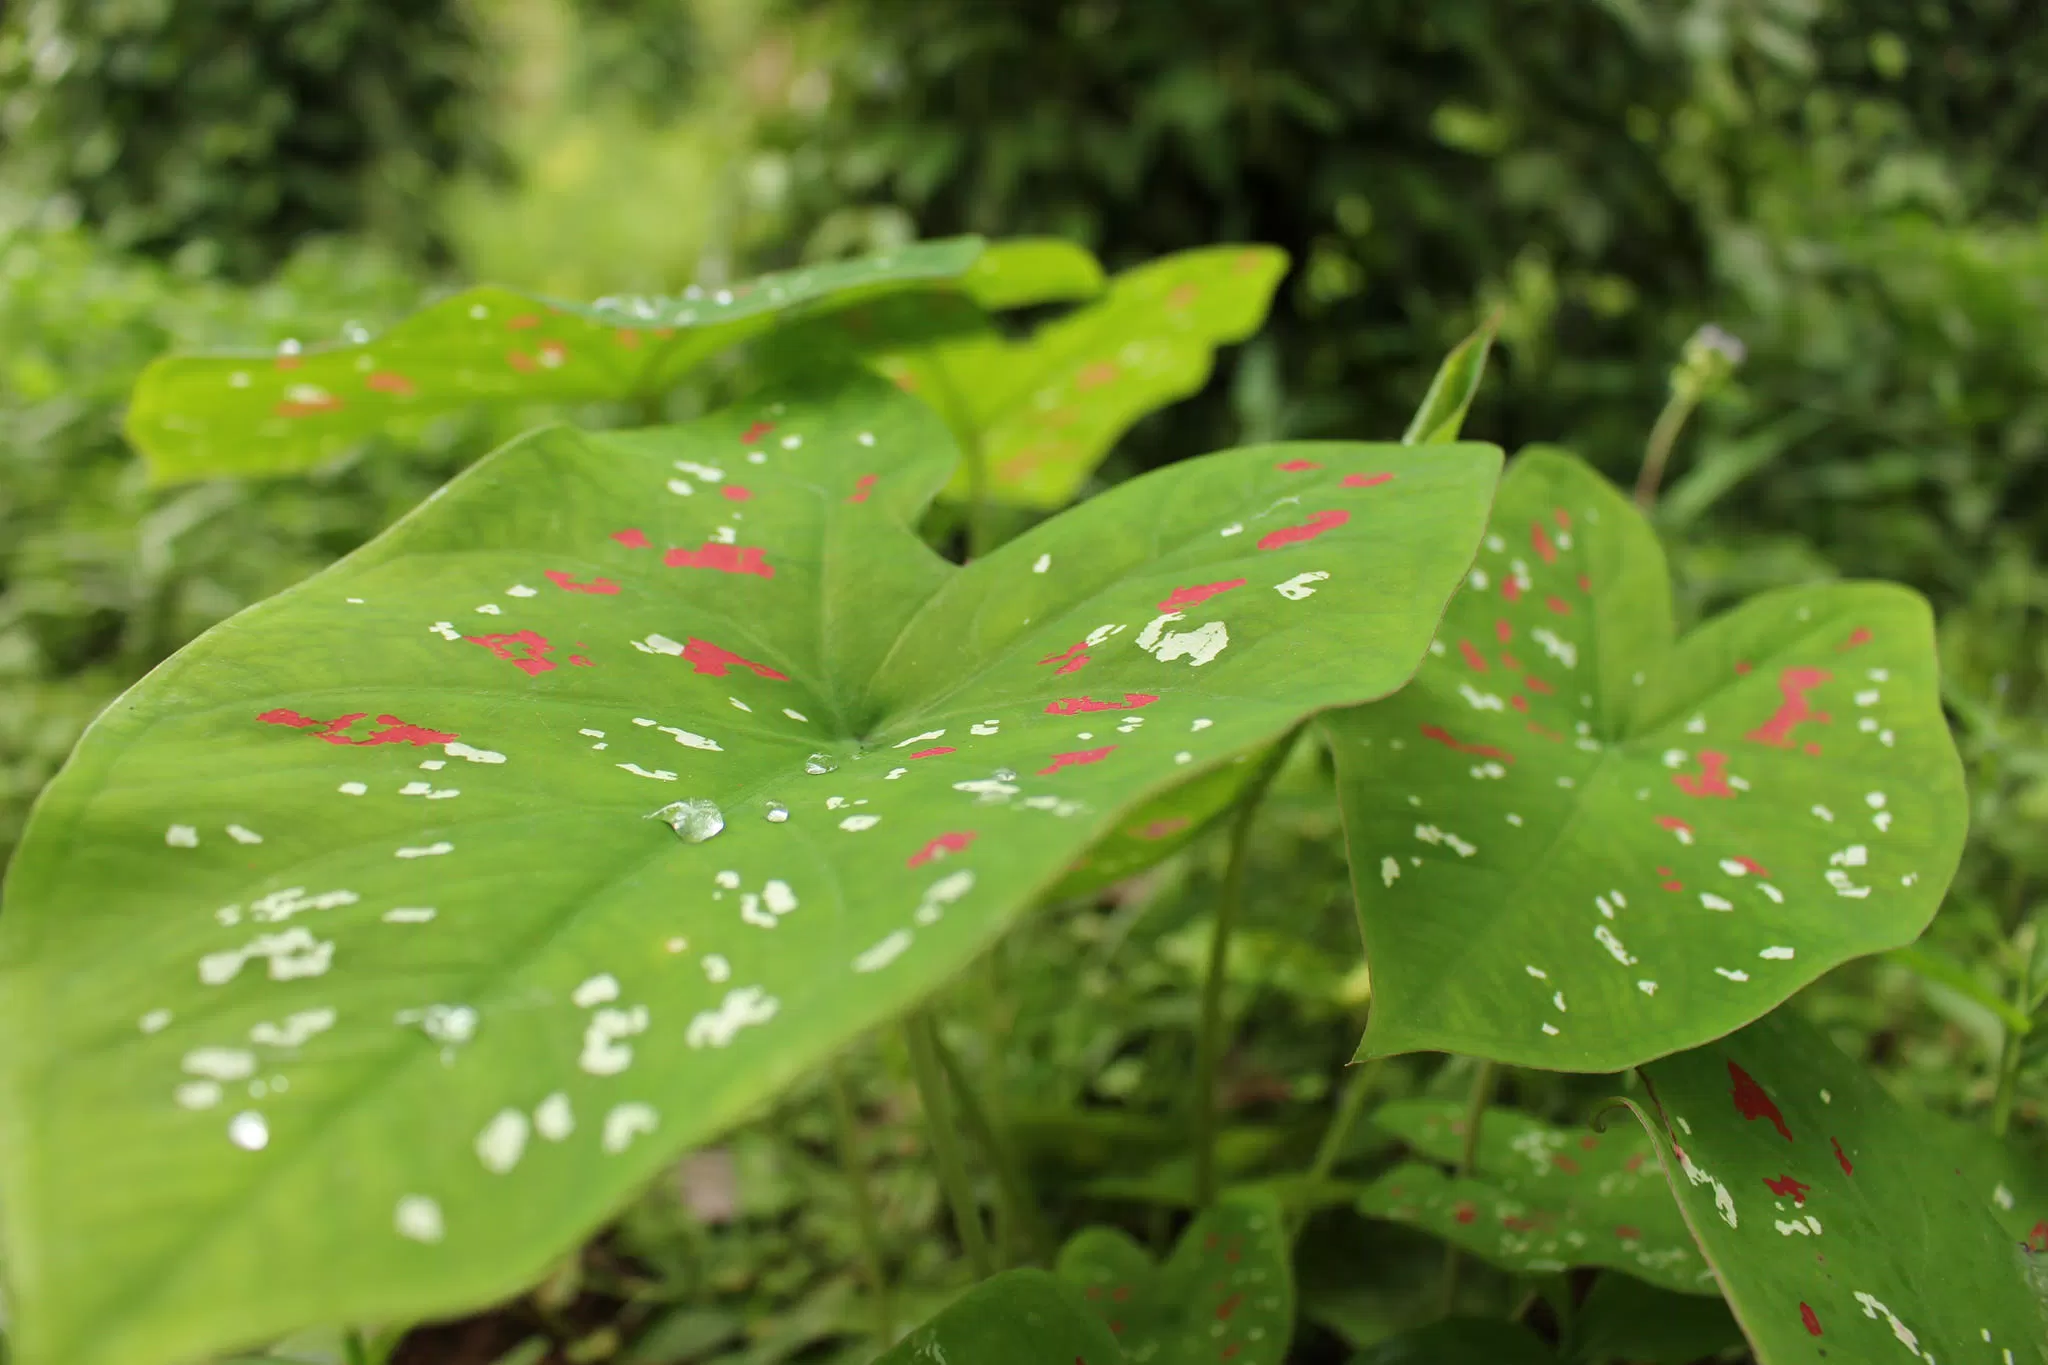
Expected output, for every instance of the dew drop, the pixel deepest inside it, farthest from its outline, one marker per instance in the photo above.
(694, 821)
(817, 765)
(1006, 774)
(777, 812)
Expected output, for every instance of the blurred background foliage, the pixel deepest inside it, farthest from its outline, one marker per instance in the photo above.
(1858, 189)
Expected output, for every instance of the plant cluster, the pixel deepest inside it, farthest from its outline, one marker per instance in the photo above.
(432, 907)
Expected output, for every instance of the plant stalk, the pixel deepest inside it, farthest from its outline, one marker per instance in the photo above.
(1468, 1157)
(1209, 1037)
(1357, 1089)
(1017, 1213)
(921, 1032)
(2015, 1041)
(1663, 436)
(866, 1224)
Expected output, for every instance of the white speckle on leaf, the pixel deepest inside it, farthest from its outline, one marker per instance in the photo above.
(1714, 902)
(457, 749)
(1647, 987)
(1735, 974)
(242, 834)
(601, 989)
(1613, 945)
(292, 954)
(155, 1021)
(919, 739)
(220, 1063)
(248, 1131)
(296, 1028)
(433, 850)
(502, 1141)
(408, 914)
(1198, 646)
(855, 824)
(418, 1218)
(605, 1053)
(1824, 813)
(197, 1094)
(1390, 870)
(883, 953)
(1297, 588)
(1042, 563)
(1777, 954)
(658, 774)
(743, 1007)
(626, 1122)
(182, 836)
(554, 1118)
(353, 789)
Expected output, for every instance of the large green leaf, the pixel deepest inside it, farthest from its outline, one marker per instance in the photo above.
(465, 994)
(1580, 844)
(1043, 411)
(268, 412)
(1835, 1222)
(1020, 1317)
(1226, 1292)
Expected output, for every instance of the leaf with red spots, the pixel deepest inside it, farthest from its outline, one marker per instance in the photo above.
(1442, 414)
(861, 746)
(1894, 1253)
(1045, 410)
(1020, 1317)
(1579, 842)
(1226, 1294)
(194, 416)
(1541, 1198)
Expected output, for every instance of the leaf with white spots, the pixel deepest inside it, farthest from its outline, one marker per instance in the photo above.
(645, 910)
(1020, 1317)
(1658, 839)
(1541, 1198)
(1831, 1213)
(1225, 1293)
(1045, 410)
(194, 416)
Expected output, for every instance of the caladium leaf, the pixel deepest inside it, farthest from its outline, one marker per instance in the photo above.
(1021, 271)
(1579, 844)
(2009, 1176)
(1020, 1317)
(1043, 412)
(1834, 1221)
(455, 890)
(1552, 1203)
(1460, 1341)
(1226, 1292)
(193, 416)
(1442, 414)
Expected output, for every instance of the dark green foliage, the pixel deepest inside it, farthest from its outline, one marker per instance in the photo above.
(234, 128)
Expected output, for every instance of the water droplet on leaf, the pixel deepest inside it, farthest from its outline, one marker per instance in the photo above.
(693, 821)
(817, 765)
(777, 812)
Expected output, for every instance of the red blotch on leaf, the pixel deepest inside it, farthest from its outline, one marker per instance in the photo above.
(1752, 1102)
(1309, 530)
(1859, 636)
(1842, 1159)
(1519, 702)
(1564, 1163)
(1296, 466)
(934, 753)
(601, 587)
(1075, 706)
(1710, 780)
(1365, 480)
(1558, 606)
(1072, 659)
(521, 361)
(1550, 735)
(861, 486)
(1795, 709)
(713, 661)
(522, 322)
(1750, 865)
(553, 353)
(1786, 1185)
(1201, 592)
(633, 538)
(1511, 588)
(280, 716)
(734, 493)
(1539, 538)
(1443, 737)
(1076, 759)
(1537, 685)
(1674, 824)
(523, 649)
(1806, 1315)
(1628, 1233)
(1095, 375)
(1465, 1213)
(733, 559)
(388, 381)
(755, 432)
(1165, 829)
(950, 842)
(1474, 660)
(307, 407)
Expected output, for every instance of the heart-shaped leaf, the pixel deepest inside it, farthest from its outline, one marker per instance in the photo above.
(1835, 1223)
(1020, 1317)
(1042, 412)
(1226, 1292)
(1624, 1319)
(1442, 414)
(455, 890)
(193, 416)
(1460, 1341)
(1541, 1198)
(1579, 845)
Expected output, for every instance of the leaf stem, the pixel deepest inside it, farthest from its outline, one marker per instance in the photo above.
(1017, 1212)
(1468, 1157)
(2015, 1038)
(1358, 1088)
(866, 1224)
(1209, 1037)
(921, 1033)
(1663, 436)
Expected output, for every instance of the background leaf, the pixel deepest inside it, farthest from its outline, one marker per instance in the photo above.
(461, 931)
(1020, 1317)
(1227, 1291)
(1460, 1341)
(1044, 411)
(1832, 1220)
(270, 412)
(1579, 845)
(1021, 271)
(1623, 1318)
